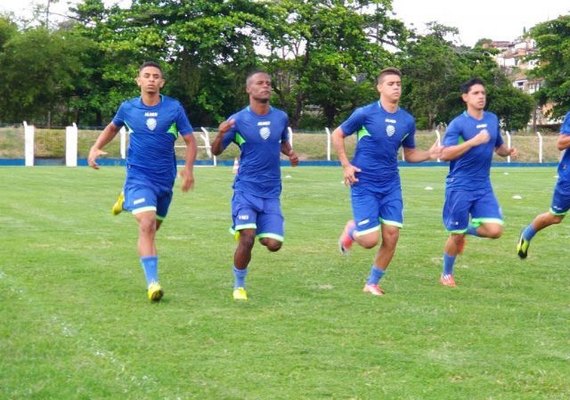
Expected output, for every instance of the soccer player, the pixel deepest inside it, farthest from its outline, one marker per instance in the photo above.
(376, 194)
(260, 132)
(470, 207)
(560, 198)
(154, 122)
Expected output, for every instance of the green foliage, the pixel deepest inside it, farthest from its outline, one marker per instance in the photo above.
(553, 53)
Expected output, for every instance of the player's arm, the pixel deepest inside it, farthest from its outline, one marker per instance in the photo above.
(414, 155)
(288, 151)
(563, 141)
(453, 152)
(187, 172)
(505, 151)
(105, 137)
(217, 144)
(349, 170)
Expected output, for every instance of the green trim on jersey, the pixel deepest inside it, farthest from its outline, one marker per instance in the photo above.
(363, 132)
(239, 139)
(173, 130)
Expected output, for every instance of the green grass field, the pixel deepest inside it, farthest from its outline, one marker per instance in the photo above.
(76, 323)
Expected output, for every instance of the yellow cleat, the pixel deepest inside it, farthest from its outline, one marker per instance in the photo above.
(118, 206)
(155, 291)
(240, 294)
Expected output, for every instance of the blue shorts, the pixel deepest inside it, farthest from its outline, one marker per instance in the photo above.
(481, 205)
(560, 201)
(263, 215)
(371, 209)
(141, 195)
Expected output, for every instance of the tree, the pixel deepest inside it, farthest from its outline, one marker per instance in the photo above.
(328, 50)
(553, 56)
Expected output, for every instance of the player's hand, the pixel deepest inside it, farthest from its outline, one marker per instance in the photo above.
(513, 152)
(187, 180)
(481, 138)
(226, 126)
(350, 174)
(93, 155)
(293, 158)
(435, 151)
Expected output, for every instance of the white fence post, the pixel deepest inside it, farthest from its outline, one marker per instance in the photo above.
(123, 141)
(508, 144)
(29, 132)
(539, 147)
(438, 141)
(71, 145)
(290, 136)
(327, 130)
(205, 135)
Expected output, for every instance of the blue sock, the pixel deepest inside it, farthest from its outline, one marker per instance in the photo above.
(150, 267)
(239, 275)
(528, 232)
(375, 275)
(448, 262)
(472, 230)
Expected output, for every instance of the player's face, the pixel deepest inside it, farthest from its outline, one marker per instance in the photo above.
(150, 80)
(390, 88)
(476, 97)
(259, 87)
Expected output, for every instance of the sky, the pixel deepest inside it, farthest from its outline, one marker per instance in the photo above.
(492, 19)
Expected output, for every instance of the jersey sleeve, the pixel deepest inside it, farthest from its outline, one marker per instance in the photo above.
(119, 118)
(565, 128)
(353, 123)
(409, 140)
(182, 123)
(452, 135)
(285, 133)
(231, 136)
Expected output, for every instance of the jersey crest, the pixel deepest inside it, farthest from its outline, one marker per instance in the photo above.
(151, 123)
(264, 132)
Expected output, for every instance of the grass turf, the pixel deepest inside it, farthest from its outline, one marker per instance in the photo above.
(77, 324)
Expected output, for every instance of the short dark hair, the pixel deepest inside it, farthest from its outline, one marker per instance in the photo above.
(150, 64)
(256, 71)
(466, 86)
(388, 71)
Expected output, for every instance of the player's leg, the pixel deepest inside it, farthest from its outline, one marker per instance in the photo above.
(141, 201)
(244, 214)
(456, 220)
(558, 209)
(270, 225)
(486, 215)
(391, 216)
(364, 228)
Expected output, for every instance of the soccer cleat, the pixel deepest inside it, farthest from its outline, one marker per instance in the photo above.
(374, 290)
(240, 294)
(447, 280)
(345, 241)
(118, 206)
(155, 291)
(522, 247)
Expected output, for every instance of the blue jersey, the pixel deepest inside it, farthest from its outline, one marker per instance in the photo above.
(471, 171)
(564, 164)
(380, 135)
(153, 131)
(259, 138)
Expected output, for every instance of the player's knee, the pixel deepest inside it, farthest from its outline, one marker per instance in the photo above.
(494, 231)
(271, 244)
(247, 239)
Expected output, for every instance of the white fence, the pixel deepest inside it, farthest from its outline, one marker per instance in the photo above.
(71, 141)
